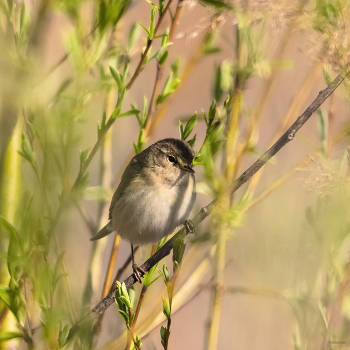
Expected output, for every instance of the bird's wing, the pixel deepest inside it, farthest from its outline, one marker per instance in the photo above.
(106, 230)
(130, 173)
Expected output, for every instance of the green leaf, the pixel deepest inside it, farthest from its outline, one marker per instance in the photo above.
(6, 295)
(84, 155)
(217, 4)
(131, 292)
(166, 307)
(13, 301)
(217, 83)
(24, 18)
(151, 26)
(327, 76)
(117, 77)
(181, 130)
(211, 50)
(14, 248)
(56, 276)
(119, 302)
(146, 30)
(160, 51)
(125, 293)
(4, 7)
(10, 335)
(226, 75)
(163, 334)
(163, 57)
(102, 15)
(147, 281)
(211, 114)
(164, 35)
(124, 316)
(62, 336)
(178, 250)
(138, 342)
(161, 5)
(175, 67)
(166, 273)
(322, 125)
(99, 193)
(192, 141)
(170, 86)
(189, 126)
(133, 34)
(126, 301)
(27, 151)
(130, 112)
(84, 181)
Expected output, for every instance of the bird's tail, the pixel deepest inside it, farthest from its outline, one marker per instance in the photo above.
(106, 230)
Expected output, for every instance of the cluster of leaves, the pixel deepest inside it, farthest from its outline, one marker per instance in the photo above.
(178, 252)
(22, 254)
(125, 301)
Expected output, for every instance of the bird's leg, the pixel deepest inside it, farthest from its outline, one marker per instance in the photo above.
(138, 271)
(190, 226)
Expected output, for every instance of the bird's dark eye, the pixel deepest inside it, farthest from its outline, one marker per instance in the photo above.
(171, 159)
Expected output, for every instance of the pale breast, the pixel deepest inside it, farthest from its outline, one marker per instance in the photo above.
(146, 214)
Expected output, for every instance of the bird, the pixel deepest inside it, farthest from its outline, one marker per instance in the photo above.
(155, 195)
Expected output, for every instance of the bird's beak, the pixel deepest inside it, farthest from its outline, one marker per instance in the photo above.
(187, 168)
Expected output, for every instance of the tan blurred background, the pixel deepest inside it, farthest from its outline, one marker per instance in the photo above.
(274, 249)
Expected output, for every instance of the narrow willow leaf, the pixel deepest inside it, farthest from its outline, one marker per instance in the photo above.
(133, 34)
(126, 301)
(166, 273)
(211, 50)
(10, 335)
(181, 128)
(163, 57)
(217, 4)
(160, 51)
(166, 307)
(131, 292)
(62, 336)
(192, 142)
(102, 15)
(151, 26)
(84, 155)
(190, 126)
(146, 30)
(322, 125)
(124, 316)
(212, 111)
(163, 334)
(117, 77)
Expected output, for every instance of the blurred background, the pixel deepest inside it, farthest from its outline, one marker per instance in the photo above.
(86, 84)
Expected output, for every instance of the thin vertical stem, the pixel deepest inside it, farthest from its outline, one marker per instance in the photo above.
(10, 186)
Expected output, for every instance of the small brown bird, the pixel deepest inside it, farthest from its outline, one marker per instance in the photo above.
(155, 195)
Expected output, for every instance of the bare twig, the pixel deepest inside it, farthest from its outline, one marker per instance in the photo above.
(204, 212)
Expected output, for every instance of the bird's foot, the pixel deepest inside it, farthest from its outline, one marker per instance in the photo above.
(139, 272)
(190, 227)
